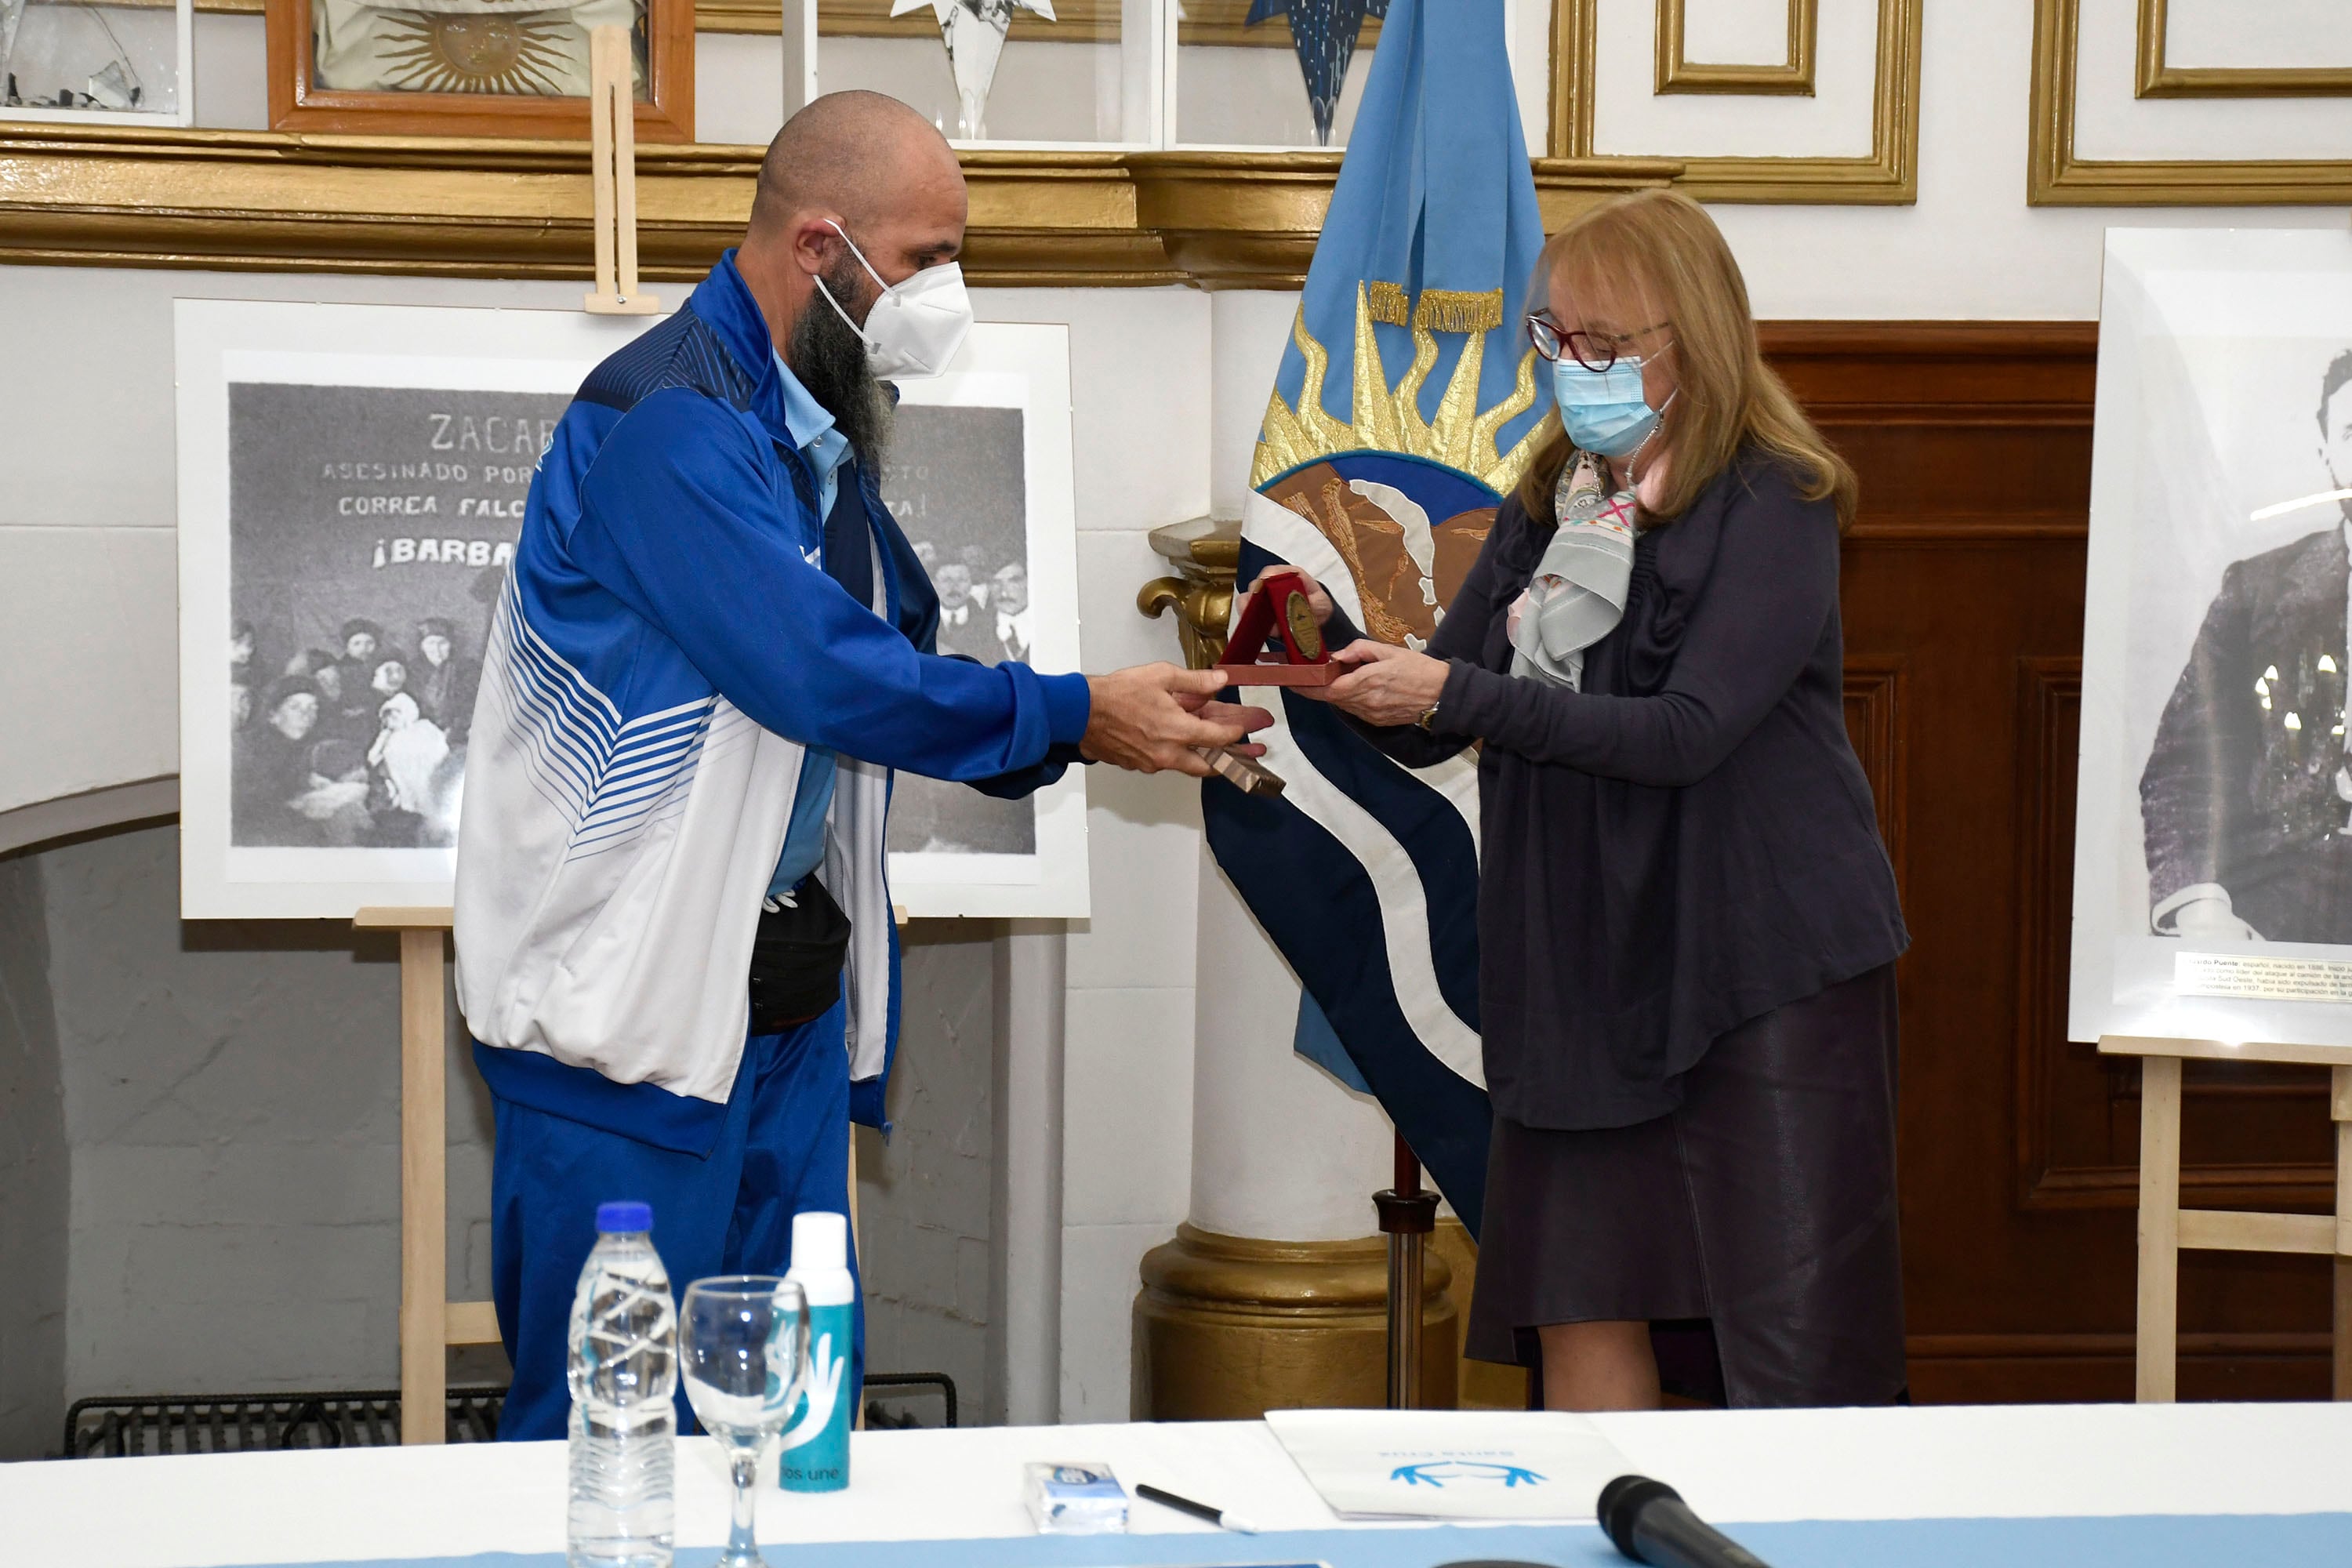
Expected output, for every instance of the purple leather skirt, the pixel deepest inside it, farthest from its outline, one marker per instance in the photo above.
(1754, 1228)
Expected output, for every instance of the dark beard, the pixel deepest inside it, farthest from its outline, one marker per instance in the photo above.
(829, 358)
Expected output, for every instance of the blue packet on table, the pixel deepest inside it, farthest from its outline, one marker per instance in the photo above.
(1074, 1499)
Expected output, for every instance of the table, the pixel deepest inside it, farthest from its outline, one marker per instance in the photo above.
(1761, 1470)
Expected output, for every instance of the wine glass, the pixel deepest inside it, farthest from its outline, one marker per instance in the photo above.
(743, 1350)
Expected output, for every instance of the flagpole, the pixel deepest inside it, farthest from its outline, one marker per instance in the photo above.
(1408, 1214)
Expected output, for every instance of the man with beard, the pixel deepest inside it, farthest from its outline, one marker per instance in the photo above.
(2246, 799)
(363, 650)
(445, 685)
(345, 685)
(675, 945)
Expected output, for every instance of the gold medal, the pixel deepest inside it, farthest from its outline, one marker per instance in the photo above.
(1304, 633)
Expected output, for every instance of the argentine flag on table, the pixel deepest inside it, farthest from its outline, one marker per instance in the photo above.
(1407, 406)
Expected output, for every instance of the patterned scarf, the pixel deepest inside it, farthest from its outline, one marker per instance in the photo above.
(1578, 590)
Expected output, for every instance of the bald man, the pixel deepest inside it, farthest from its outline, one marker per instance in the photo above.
(675, 945)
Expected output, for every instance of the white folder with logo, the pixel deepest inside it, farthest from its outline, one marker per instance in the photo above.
(1450, 1464)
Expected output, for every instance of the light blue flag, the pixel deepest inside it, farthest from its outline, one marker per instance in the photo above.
(1408, 404)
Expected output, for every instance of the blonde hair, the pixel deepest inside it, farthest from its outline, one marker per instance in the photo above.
(1656, 256)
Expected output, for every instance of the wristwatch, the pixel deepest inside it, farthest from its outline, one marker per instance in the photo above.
(1428, 718)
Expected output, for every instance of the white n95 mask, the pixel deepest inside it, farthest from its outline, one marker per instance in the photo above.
(915, 327)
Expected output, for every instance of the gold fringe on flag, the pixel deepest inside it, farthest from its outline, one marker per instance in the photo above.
(1457, 311)
(1437, 310)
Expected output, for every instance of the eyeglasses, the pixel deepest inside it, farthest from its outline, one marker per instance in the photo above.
(1593, 351)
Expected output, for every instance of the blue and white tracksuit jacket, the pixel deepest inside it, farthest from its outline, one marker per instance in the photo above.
(674, 632)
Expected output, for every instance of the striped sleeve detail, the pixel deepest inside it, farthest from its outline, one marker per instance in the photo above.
(606, 779)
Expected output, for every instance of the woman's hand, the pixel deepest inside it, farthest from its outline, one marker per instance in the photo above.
(1317, 599)
(1383, 685)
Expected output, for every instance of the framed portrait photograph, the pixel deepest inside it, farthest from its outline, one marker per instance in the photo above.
(81, 63)
(471, 67)
(352, 481)
(980, 478)
(2213, 862)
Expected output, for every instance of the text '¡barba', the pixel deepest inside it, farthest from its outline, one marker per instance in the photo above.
(443, 551)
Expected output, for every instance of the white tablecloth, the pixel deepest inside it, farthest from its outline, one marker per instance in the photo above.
(1952, 1462)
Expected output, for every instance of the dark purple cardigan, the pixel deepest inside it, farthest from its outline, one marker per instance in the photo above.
(1686, 843)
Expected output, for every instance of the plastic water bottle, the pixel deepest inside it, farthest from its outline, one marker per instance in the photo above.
(816, 1436)
(623, 1376)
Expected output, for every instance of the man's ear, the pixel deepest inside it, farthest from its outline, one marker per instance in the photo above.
(810, 238)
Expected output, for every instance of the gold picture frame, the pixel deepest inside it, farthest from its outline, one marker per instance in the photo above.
(458, 207)
(2158, 78)
(2055, 176)
(442, 206)
(1678, 73)
(1888, 174)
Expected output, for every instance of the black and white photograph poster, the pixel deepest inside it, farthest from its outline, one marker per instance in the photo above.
(979, 478)
(2213, 861)
(351, 487)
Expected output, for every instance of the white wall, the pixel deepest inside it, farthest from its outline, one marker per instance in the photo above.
(1970, 249)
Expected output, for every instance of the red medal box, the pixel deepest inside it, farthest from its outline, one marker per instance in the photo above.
(1278, 607)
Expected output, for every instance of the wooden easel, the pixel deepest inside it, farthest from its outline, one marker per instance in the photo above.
(429, 1321)
(2165, 1228)
(613, 172)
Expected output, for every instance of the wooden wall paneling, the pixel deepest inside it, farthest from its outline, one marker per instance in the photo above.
(2076, 1367)
(1963, 596)
(1873, 720)
(2078, 1112)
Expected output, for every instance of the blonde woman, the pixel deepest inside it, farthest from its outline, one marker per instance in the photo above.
(1688, 924)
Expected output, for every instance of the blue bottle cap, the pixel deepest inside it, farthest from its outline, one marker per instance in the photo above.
(624, 1216)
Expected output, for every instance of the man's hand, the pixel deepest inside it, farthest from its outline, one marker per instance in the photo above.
(2211, 920)
(1317, 599)
(1152, 716)
(1383, 685)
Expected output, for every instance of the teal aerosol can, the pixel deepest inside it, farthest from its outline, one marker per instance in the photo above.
(816, 1438)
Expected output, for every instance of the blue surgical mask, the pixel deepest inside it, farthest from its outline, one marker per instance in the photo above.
(1603, 410)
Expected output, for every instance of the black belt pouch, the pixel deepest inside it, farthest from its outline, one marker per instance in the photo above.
(796, 959)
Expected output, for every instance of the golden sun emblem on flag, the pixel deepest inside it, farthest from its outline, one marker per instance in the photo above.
(1410, 548)
(1460, 436)
(521, 53)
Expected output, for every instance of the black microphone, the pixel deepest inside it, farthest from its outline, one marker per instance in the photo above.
(1651, 1523)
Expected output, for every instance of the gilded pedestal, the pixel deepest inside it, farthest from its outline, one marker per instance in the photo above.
(1228, 1328)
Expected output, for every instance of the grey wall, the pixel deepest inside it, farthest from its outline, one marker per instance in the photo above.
(199, 1150)
(33, 1187)
(231, 1096)
(923, 1198)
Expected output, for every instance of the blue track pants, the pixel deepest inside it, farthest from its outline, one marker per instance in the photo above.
(785, 1149)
